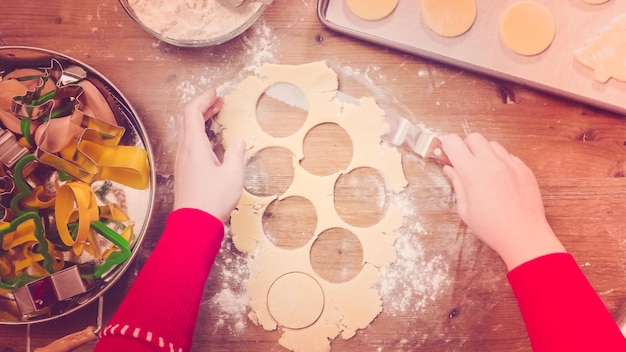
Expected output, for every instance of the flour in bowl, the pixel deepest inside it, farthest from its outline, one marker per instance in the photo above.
(192, 19)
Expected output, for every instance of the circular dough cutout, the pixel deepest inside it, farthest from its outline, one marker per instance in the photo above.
(595, 2)
(527, 28)
(372, 10)
(295, 300)
(449, 18)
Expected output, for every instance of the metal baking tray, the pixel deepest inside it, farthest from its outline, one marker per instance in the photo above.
(480, 49)
(139, 202)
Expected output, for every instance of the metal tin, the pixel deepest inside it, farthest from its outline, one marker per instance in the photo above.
(140, 202)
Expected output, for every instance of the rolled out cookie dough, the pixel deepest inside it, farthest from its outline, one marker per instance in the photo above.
(527, 27)
(449, 18)
(605, 53)
(332, 308)
(372, 10)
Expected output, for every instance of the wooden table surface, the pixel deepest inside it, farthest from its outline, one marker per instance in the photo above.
(448, 292)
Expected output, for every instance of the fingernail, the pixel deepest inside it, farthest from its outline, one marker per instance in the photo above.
(240, 144)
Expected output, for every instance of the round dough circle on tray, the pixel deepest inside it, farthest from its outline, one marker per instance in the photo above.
(295, 300)
(449, 18)
(372, 10)
(527, 27)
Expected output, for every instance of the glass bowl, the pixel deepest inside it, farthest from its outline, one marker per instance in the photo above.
(209, 24)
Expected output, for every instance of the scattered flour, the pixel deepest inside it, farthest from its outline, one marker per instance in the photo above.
(414, 280)
(231, 302)
(260, 48)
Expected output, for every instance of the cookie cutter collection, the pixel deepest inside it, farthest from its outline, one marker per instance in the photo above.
(63, 222)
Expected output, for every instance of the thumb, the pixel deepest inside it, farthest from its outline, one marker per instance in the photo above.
(234, 156)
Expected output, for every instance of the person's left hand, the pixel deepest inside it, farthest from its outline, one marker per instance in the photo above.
(200, 180)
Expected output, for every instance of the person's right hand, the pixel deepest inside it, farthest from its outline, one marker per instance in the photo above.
(200, 180)
(499, 199)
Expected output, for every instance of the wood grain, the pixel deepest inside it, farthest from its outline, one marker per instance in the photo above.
(577, 152)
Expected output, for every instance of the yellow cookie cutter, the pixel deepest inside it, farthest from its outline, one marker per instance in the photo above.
(97, 156)
(75, 202)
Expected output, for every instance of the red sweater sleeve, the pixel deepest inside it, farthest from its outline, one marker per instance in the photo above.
(561, 310)
(160, 310)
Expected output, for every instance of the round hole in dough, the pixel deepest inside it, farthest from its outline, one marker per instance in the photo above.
(360, 197)
(322, 141)
(337, 255)
(269, 172)
(595, 2)
(527, 27)
(449, 18)
(295, 300)
(290, 223)
(279, 119)
(372, 10)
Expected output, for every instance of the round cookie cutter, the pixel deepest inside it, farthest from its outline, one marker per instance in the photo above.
(140, 202)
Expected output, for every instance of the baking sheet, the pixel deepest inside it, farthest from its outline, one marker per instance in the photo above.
(480, 49)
